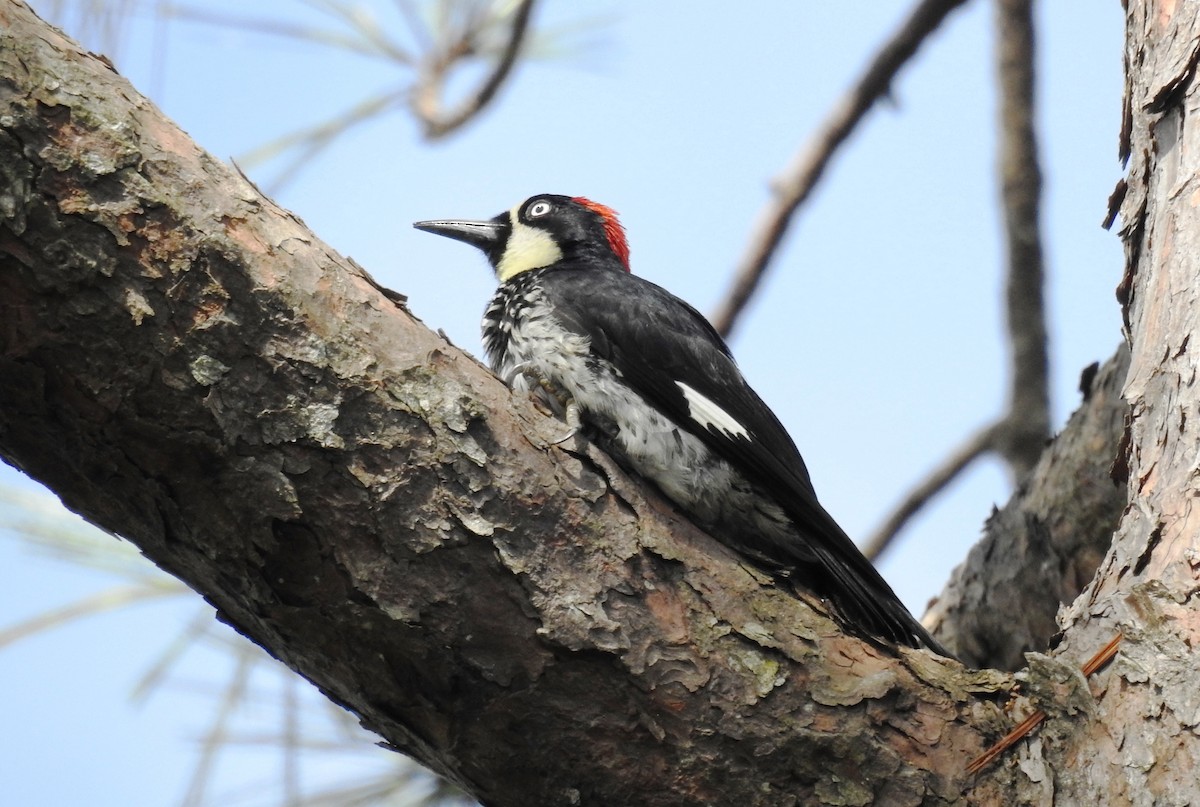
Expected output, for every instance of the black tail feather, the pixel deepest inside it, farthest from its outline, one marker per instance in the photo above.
(868, 607)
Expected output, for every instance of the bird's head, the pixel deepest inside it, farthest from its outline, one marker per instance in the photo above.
(542, 231)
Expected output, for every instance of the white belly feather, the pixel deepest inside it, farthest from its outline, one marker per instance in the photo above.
(686, 470)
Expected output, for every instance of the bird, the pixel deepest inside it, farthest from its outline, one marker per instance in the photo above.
(649, 380)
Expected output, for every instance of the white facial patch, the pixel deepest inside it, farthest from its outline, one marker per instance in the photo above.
(527, 248)
(703, 411)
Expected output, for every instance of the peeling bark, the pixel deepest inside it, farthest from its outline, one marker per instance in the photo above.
(1039, 551)
(190, 368)
(1133, 740)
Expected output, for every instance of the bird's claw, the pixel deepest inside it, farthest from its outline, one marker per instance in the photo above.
(574, 421)
(571, 409)
(522, 369)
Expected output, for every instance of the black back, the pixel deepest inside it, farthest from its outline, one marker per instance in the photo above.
(655, 339)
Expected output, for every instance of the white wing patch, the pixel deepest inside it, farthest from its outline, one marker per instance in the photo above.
(705, 412)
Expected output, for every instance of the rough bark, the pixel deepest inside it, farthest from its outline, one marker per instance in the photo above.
(190, 368)
(1040, 550)
(1130, 736)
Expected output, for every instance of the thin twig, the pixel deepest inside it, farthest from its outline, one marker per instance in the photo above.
(425, 97)
(801, 176)
(312, 140)
(106, 600)
(363, 39)
(1034, 720)
(1028, 421)
(196, 627)
(1020, 436)
(218, 731)
(416, 26)
(362, 23)
(290, 741)
(983, 442)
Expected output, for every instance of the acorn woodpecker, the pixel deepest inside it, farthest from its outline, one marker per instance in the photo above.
(655, 386)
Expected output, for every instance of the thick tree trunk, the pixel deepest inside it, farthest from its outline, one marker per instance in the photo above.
(189, 367)
(1137, 742)
(1129, 736)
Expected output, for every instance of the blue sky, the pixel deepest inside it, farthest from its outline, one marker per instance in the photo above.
(878, 338)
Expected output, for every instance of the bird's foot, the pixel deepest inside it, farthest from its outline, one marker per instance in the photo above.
(571, 411)
(518, 370)
(574, 422)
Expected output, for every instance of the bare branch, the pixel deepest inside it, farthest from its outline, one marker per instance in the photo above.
(1027, 425)
(791, 189)
(426, 103)
(416, 26)
(461, 31)
(313, 140)
(1020, 435)
(364, 36)
(106, 600)
(983, 442)
(218, 731)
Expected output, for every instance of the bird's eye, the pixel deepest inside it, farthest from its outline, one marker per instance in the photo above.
(538, 209)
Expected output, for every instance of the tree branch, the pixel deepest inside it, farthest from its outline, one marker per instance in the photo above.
(1027, 425)
(1039, 551)
(808, 166)
(187, 366)
(1020, 435)
(978, 445)
(426, 92)
(1142, 706)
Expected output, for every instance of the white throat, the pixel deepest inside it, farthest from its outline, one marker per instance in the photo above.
(527, 248)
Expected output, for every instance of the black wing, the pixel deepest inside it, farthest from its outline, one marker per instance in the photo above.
(657, 341)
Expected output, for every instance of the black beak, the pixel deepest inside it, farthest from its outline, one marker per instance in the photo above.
(486, 235)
